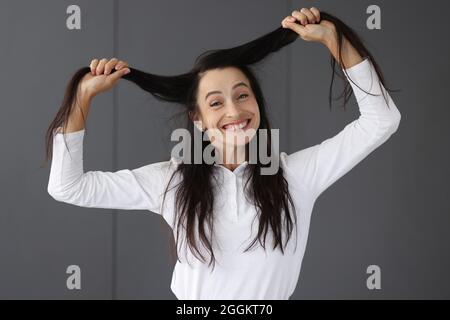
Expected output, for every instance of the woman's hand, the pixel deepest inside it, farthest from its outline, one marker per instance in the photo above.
(309, 26)
(100, 78)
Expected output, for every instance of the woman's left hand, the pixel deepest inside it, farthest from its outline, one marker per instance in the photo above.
(309, 26)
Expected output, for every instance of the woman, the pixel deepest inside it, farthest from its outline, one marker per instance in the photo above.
(224, 210)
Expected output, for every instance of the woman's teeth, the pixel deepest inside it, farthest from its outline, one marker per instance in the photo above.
(236, 127)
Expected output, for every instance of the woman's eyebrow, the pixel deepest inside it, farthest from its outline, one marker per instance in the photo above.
(234, 87)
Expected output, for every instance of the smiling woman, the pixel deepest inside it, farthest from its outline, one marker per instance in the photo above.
(224, 113)
(212, 208)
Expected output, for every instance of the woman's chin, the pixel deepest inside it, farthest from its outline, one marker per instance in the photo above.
(239, 138)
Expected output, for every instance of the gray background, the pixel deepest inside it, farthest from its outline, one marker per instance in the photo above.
(391, 210)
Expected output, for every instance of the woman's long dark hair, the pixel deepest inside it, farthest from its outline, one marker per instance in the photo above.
(194, 196)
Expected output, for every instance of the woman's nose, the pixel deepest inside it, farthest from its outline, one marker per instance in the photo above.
(232, 109)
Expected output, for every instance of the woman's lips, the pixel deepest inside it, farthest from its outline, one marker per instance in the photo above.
(237, 126)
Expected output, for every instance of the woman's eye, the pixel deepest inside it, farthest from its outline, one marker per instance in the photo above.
(241, 96)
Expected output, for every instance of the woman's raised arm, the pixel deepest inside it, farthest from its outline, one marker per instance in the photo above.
(138, 189)
(319, 166)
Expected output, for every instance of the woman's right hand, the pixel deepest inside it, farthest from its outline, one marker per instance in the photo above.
(103, 76)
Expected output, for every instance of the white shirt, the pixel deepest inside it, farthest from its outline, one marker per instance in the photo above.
(256, 274)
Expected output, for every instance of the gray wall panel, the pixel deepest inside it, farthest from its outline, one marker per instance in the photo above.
(40, 237)
(389, 210)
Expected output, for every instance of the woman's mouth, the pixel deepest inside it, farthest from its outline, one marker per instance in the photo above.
(237, 126)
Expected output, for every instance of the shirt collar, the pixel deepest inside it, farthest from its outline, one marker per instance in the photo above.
(237, 170)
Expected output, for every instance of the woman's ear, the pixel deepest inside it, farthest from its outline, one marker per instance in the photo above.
(198, 124)
(196, 119)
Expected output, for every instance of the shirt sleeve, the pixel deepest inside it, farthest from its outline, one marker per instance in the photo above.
(319, 166)
(138, 189)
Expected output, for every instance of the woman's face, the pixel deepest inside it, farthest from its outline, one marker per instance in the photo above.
(227, 107)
